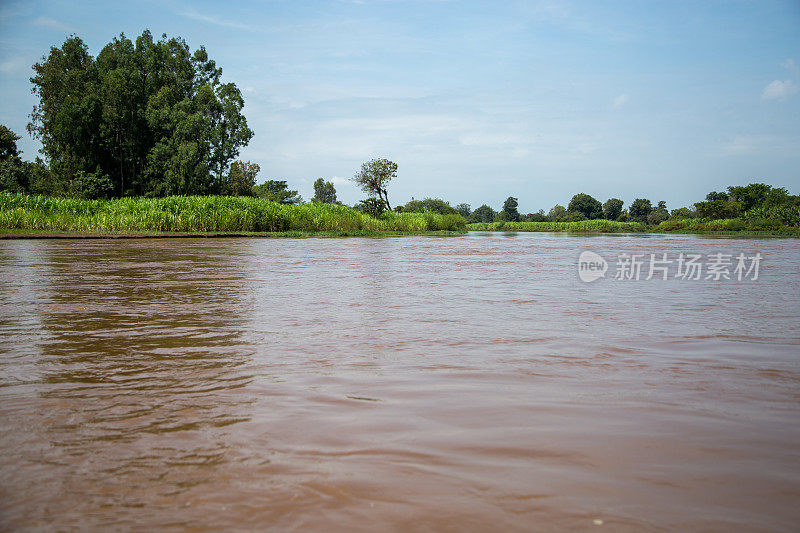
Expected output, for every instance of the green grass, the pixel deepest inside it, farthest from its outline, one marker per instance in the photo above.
(727, 226)
(583, 226)
(203, 214)
(733, 226)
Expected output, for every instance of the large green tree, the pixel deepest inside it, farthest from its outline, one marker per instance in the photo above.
(483, 214)
(612, 209)
(509, 211)
(586, 205)
(640, 209)
(151, 115)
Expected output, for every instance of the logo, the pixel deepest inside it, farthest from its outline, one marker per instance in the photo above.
(591, 266)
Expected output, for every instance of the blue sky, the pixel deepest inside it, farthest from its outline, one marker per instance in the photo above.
(477, 101)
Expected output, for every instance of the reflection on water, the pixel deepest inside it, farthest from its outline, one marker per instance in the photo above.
(461, 383)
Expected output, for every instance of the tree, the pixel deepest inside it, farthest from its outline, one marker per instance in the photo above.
(324, 192)
(434, 205)
(151, 115)
(659, 214)
(718, 209)
(14, 173)
(509, 212)
(483, 214)
(586, 205)
(67, 119)
(241, 179)
(640, 209)
(464, 210)
(683, 212)
(277, 191)
(558, 213)
(8, 144)
(374, 177)
(374, 207)
(612, 208)
(750, 196)
(713, 196)
(539, 216)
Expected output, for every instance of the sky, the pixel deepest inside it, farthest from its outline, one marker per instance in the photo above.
(476, 101)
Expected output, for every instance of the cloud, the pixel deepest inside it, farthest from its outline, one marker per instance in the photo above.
(53, 24)
(779, 90)
(194, 15)
(620, 101)
(791, 66)
(12, 65)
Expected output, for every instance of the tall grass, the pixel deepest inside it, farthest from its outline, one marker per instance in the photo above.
(202, 214)
(586, 226)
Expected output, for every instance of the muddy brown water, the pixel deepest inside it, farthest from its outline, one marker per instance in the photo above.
(430, 384)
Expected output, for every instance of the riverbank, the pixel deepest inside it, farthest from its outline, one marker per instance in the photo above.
(212, 215)
(12, 234)
(685, 226)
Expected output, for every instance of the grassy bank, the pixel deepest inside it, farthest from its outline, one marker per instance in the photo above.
(753, 226)
(734, 226)
(203, 214)
(583, 226)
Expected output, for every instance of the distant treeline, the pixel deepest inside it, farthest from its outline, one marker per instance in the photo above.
(754, 202)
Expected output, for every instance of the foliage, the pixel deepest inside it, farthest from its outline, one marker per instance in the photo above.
(683, 212)
(8, 144)
(659, 214)
(586, 205)
(714, 196)
(788, 215)
(588, 226)
(558, 213)
(14, 175)
(464, 210)
(277, 191)
(202, 214)
(374, 207)
(612, 209)
(374, 178)
(718, 209)
(153, 116)
(749, 196)
(324, 192)
(509, 211)
(535, 217)
(640, 209)
(240, 180)
(483, 214)
(429, 204)
(92, 185)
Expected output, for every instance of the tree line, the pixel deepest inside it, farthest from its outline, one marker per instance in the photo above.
(753, 200)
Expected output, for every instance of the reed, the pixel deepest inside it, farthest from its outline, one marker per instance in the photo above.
(21, 212)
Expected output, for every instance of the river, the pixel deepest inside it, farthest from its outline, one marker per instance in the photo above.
(385, 384)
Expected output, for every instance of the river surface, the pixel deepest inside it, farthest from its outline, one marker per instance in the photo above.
(470, 383)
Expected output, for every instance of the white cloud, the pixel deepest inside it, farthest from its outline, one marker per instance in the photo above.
(620, 101)
(53, 24)
(340, 181)
(194, 15)
(791, 66)
(12, 65)
(779, 90)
